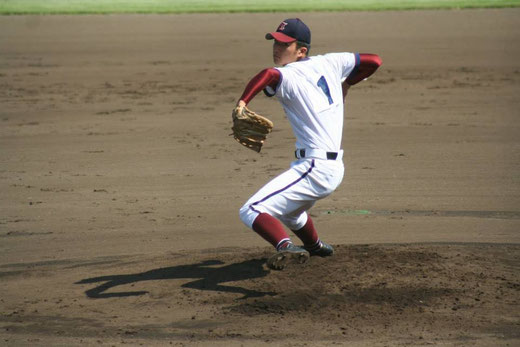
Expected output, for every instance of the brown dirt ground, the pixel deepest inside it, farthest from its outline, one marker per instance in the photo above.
(120, 186)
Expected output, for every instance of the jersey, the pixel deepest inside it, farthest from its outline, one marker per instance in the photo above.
(310, 93)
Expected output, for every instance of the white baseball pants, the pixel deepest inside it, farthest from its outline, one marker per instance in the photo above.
(289, 195)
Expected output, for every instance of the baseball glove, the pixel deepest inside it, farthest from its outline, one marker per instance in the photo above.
(249, 128)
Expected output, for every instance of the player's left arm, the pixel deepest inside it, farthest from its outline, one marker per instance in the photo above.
(366, 65)
(265, 78)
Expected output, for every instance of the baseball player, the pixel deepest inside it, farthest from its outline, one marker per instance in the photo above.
(311, 90)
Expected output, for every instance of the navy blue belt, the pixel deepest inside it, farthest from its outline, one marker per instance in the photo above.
(300, 153)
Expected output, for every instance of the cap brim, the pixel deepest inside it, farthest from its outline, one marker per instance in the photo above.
(279, 37)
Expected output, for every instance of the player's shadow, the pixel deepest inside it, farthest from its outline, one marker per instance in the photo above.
(207, 274)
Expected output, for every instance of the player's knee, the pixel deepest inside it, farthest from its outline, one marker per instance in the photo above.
(247, 215)
(295, 222)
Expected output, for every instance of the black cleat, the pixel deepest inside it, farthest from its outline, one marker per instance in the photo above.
(322, 249)
(291, 254)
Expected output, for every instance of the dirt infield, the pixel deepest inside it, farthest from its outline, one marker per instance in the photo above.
(120, 185)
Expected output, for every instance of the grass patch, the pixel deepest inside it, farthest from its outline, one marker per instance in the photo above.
(219, 6)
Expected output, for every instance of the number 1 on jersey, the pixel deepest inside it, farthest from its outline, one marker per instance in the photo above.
(322, 83)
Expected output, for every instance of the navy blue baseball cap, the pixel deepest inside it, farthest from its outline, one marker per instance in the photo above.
(291, 30)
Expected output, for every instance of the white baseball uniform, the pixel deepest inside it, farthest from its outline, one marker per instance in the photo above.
(311, 94)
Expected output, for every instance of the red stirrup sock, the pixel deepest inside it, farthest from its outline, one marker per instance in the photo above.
(308, 234)
(270, 229)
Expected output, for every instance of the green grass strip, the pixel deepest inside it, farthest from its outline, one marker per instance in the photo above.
(10, 7)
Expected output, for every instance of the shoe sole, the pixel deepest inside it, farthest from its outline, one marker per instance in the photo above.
(280, 260)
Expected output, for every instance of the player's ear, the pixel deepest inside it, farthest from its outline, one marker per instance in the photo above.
(303, 51)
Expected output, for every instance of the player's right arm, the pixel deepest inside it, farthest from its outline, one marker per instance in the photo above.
(265, 78)
(365, 67)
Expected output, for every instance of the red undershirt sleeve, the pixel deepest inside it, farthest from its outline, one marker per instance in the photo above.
(267, 77)
(368, 64)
